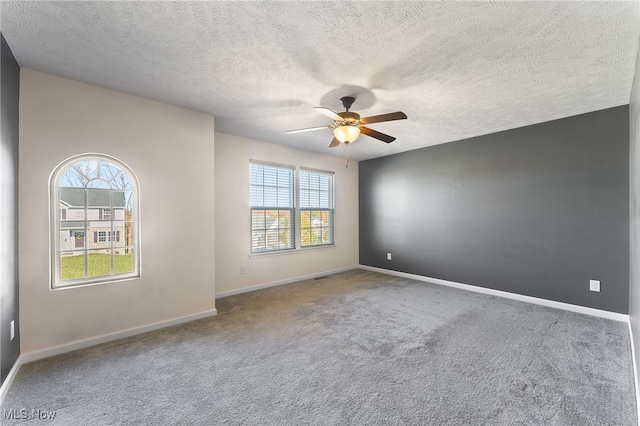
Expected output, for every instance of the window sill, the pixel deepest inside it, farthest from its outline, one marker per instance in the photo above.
(94, 283)
(292, 251)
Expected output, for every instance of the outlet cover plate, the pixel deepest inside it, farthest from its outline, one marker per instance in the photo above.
(594, 285)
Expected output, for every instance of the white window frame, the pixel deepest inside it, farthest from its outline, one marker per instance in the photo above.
(325, 208)
(285, 204)
(296, 211)
(56, 282)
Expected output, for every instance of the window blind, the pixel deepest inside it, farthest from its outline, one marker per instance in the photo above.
(317, 208)
(272, 200)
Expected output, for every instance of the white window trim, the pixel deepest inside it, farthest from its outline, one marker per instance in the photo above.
(292, 210)
(299, 209)
(54, 221)
(297, 239)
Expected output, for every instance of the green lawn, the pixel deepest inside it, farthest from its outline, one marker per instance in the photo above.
(72, 267)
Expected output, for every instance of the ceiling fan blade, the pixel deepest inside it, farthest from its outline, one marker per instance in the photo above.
(308, 129)
(375, 134)
(384, 117)
(335, 142)
(326, 111)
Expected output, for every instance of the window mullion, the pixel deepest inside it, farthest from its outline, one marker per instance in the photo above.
(296, 212)
(112, 234)
(86, 233)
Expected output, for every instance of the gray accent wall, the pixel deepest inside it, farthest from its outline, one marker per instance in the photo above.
(9, 94)
(538, 211)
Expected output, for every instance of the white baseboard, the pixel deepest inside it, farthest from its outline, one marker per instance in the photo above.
(528, 299)
(81, 344)
(282, 282)
(635, 368)
(8, 381)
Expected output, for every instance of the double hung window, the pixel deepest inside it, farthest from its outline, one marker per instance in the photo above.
(286, 215)
(272, 208)
(316, 208)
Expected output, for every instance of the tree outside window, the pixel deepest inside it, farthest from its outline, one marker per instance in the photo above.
(96, 240)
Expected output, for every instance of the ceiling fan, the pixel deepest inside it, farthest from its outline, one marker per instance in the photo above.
(347, 125)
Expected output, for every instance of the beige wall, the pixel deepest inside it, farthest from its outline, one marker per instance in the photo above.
(232, 216)
(171, 150)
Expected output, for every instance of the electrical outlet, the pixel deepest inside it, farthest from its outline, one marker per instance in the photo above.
(243, 270)
(388, 256)
(13, 329)
(594, 285)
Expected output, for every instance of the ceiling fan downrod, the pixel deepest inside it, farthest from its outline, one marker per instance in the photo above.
(347, 101)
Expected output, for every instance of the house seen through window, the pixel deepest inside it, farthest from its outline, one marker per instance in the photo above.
(94, 222)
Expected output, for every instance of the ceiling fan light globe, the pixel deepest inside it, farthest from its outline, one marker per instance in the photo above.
(346, 134)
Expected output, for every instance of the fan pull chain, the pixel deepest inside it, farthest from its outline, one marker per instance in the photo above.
(347, 164)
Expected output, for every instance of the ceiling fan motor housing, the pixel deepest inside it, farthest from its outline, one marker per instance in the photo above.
(349, 118)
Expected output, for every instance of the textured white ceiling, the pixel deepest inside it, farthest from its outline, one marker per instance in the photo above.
(458, 69)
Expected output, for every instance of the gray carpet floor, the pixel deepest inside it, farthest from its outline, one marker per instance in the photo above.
(355, 348)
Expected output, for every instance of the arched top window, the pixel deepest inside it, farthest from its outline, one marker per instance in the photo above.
(94, 221)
